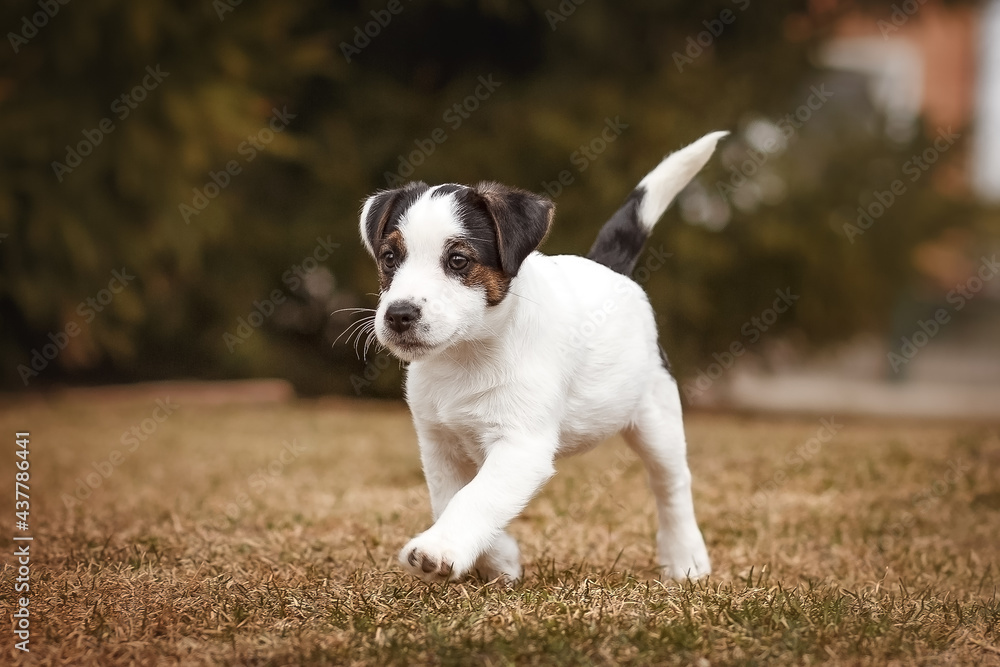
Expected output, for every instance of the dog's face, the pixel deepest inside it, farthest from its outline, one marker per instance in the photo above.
(446, 255)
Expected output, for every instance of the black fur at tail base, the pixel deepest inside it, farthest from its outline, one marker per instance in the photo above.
(621, 239)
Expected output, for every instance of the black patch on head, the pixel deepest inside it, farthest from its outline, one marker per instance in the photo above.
(447, 189)
(620, 241)
(519, 221)
(387, 208)
(478, 242)
(478, 231)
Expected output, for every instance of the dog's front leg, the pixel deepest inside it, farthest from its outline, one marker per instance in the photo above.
(446, 468)
(514, 470)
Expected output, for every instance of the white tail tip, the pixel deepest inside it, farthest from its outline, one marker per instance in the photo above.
(672, 174)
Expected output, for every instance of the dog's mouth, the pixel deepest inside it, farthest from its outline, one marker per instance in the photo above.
(412, 346)
(407, 348)
(411, 351)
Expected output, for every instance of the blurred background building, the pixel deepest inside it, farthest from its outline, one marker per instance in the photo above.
(179, 183)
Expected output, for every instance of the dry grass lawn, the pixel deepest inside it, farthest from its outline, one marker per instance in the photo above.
(213, 542)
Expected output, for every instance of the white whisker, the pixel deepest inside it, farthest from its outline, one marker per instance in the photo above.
(522, 297)
(445, 353)
(360, 332)
(367, 333)
(358, 323)
(356, 310)
(368, 342)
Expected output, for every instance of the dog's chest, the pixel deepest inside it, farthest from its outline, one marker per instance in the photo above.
(470, 406)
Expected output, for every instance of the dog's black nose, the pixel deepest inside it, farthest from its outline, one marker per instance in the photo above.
(401, 315)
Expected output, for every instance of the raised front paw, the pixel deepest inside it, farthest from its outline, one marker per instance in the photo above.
(430, 559)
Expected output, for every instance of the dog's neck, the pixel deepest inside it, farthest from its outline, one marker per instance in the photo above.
(489, 343)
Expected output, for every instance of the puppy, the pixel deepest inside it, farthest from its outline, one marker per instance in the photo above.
(517, 358)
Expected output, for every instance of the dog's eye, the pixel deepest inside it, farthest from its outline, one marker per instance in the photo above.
(457, 262)
(389, 259)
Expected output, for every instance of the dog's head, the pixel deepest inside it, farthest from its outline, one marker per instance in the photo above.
(446, 255)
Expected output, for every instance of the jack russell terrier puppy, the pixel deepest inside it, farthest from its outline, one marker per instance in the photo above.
(498, 386)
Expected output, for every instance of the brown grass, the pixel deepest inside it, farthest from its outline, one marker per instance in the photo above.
(880, 547)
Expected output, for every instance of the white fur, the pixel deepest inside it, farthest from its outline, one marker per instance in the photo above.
(566, 360)
(672, 174)
(365, 210)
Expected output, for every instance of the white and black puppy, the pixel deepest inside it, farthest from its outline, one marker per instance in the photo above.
(517, 358)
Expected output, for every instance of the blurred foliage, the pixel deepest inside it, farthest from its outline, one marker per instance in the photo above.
(230, 66)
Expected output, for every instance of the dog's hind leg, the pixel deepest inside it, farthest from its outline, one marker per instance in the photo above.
(657, 436)
(502, 560)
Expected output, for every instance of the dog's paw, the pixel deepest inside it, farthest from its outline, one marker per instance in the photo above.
(506, 575)
(501, 562)
(503, 578)
(681, 563)
(429, 559)
(679, 572)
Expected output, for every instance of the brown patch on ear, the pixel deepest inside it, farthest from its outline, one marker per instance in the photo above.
(495, 282)
(394, 242)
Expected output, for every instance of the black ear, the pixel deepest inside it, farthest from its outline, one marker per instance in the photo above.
(381, 210)
(521, 219)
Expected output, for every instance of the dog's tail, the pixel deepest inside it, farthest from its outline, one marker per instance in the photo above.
(621, 239)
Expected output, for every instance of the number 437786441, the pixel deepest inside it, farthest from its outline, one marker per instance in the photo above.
(21, 478)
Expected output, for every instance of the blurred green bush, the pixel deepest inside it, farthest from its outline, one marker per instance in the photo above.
(219, 152)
